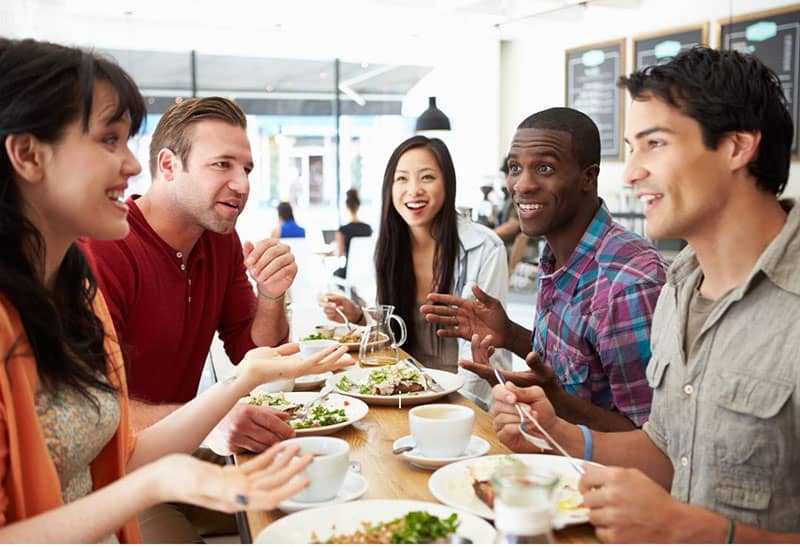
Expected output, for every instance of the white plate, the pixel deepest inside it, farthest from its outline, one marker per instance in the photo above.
(476, 447)
(311, 381)
(353, 408)
(347, 517)
(452, 484)
(355, 484)
(450, 382)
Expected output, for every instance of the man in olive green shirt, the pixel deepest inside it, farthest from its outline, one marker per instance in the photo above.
(710, 144)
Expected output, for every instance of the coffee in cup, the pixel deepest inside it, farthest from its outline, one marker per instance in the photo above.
(441, 430)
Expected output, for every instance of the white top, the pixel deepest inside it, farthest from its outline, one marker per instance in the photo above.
(481, 261)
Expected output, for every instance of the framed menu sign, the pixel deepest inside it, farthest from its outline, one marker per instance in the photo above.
(774, 37)
(592, 73)
(658, 48)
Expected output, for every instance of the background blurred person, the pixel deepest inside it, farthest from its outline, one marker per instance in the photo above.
(423, 246)
(287, 227)
(67, 444)
(346, 232)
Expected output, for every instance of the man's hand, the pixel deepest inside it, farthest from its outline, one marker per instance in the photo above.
(540, 374)
(625, 506)
(249, 428)
(271, 264)
(458, 317)
(331, 302)
(506, 419)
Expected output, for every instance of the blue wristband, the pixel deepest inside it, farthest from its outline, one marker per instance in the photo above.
(588, 445)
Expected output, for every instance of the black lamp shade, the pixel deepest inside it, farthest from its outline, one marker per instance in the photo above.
(433, 118)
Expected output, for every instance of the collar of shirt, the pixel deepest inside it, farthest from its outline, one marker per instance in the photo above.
(135, 214)
(566, 278)
(777, 262)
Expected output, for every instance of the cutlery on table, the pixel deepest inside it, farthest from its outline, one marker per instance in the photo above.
(324, 392)
(536, 441)
(430, 383)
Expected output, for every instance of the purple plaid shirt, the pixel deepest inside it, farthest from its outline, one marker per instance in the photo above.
(593, 316)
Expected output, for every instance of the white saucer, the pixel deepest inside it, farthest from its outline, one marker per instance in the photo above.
(355, 484)
(311, 381)
(476, 447)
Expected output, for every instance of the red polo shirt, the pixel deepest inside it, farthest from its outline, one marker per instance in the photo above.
(165, 314)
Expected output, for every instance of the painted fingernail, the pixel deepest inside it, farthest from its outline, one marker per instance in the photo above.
(241, 499)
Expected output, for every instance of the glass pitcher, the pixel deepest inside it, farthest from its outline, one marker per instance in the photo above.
(378, 344)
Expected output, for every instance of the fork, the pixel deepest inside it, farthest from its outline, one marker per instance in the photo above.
(430, 382)
(536, 441)
(324, 392)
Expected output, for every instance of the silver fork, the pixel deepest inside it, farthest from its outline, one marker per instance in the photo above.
(430, 383)
(324, 392)
(536, 441)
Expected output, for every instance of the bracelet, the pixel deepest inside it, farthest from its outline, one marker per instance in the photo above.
(731, 530)
(272, 298)
(588, 444)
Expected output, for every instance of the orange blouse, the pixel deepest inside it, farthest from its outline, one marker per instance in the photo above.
(30, 483)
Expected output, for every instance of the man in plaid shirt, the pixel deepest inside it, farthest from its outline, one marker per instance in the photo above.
(597, 288)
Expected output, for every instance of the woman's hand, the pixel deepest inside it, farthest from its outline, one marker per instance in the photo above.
(262, 365)
(331, 302)
(260, 484)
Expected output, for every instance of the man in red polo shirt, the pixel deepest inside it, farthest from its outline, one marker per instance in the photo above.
(181, 273)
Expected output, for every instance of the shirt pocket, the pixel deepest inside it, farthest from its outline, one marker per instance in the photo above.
(571, 367)
(655, 371)
(749, 447)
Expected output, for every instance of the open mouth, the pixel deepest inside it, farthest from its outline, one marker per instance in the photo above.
(416, 205)
(230, 204)
(530, 207)
(650, 201)
(116, 196)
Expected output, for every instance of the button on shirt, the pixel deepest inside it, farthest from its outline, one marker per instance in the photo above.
(728, 415)
(593, 316)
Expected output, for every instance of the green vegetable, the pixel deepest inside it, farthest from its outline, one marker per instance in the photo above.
(316, 336)
(345, 384)
(422, 527)
(319, 416)
(262, 399)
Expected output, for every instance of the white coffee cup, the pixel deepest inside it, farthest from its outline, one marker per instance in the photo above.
(327, 470)
(441, 431)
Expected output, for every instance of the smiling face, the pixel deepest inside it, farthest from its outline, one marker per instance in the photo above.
(418, 191)
(683, 184)
(85, 174)
(548, 185)
(212, 188)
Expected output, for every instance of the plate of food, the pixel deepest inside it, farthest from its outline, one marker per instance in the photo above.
(378, 521)
(398, 384)
(347, 337)
(333, 413)
(465, 485)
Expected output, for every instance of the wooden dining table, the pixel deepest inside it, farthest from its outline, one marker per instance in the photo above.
(392, 477)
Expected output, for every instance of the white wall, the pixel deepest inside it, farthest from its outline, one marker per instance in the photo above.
(532, 68)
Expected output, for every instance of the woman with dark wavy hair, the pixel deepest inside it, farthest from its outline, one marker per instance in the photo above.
(66, 442)
(424, 247)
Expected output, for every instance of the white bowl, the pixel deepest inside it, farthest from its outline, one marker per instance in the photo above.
(277, 386)
(310, 347)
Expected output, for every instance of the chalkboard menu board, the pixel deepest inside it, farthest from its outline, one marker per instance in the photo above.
(592, 73)
(656, 49)
(774, 37)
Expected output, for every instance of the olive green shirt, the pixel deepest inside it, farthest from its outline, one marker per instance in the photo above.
(728, 417)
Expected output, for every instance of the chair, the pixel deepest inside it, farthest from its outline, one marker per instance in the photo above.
(361, 267)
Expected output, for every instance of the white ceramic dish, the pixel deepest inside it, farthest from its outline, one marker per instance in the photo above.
(355, 484)
(477, 447)
(348, 517)
(452, 484)
(450, 382)
(311, 381)
(353, 409)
